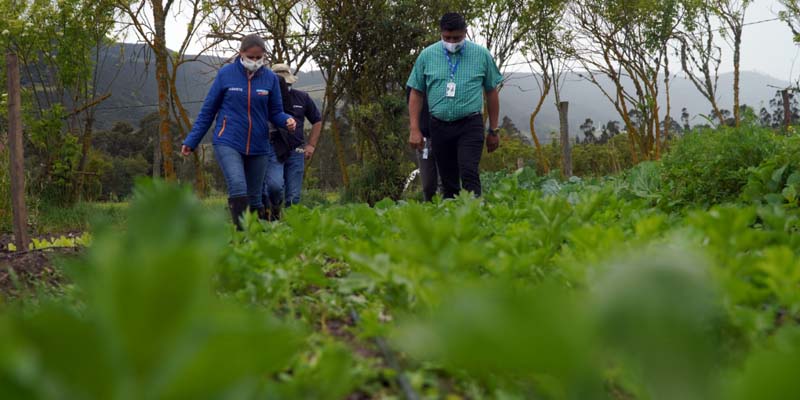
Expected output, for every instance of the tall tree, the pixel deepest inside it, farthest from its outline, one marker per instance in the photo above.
(731, 14)
(288, 26)
(16, 171)
(545, 46)
(151, 29)
(198, 13)
(626, 42)
(366, 51)
(700, 55)
(98, 21)
(497, 24)
(62, 47)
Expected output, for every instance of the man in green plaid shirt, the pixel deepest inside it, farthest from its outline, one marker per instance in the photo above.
(454, 75)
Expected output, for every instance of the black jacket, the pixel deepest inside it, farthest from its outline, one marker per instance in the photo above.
(280, 138)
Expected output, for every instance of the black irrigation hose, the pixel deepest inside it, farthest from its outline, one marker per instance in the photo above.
(402, 380)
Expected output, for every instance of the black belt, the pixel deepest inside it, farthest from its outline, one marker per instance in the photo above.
(473, 115)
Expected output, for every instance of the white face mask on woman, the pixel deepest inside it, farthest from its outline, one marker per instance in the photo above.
(453, 47)
(251, 65)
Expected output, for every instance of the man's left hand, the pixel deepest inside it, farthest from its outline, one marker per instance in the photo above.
(309, 151)
(492, 143)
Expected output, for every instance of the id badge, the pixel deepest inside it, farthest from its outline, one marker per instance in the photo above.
(451, 89)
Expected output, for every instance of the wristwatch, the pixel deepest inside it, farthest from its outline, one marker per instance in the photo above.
(492, 132)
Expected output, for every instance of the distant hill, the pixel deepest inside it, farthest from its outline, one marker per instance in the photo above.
(586, 101)
(134, 93)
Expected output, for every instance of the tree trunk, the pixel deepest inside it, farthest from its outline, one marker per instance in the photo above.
(622, 109)
(787, 109)
(339, 147)
(667, 117)
(539, 150)
(16, 154)
(156, 158)
(86, 144)
(185, 125)
(330, 102)
(718, 113)
(162, 78)
(736, 72)
(656, 124)
(566, 150)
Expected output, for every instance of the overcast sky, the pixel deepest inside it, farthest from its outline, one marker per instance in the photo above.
(767, 47)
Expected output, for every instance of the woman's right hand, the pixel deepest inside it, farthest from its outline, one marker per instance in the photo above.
(185, 151)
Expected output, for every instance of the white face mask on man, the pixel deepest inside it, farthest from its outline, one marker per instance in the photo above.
(453, 47)
(251, 65)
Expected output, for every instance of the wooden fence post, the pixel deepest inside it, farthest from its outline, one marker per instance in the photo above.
(16, 155)
(566, 150)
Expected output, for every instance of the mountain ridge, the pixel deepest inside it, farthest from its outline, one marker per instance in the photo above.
(134, 93)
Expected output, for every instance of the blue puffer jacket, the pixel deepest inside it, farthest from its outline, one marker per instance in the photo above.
(242, 108)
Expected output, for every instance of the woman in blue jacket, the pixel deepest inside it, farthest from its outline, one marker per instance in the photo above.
(244, 97)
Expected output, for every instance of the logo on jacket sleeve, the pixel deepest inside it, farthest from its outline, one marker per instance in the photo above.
(262, 92)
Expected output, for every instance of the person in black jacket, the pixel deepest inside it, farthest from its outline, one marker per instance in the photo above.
(284, 182)
(282, 142)
(427, 161)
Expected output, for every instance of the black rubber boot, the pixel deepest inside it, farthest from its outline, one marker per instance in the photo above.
(238, 205)
(263, 214)
(275, 213)
(271, 211)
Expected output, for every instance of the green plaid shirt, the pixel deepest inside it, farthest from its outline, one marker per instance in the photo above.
(477, 73)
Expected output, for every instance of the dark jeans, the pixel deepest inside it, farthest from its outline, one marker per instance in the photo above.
(428, 172)
(273, 182)
(284, 181)
(293, 170)
(458, 147)
(243, 174)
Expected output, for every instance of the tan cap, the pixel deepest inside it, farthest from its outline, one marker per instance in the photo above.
(284, 71)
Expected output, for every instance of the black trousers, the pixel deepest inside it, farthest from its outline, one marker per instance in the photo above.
(458, 147)
(428, 172)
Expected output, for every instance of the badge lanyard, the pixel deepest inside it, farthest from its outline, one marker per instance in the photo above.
(453, 67)
(450, 92)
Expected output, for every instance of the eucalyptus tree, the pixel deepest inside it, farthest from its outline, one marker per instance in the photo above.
(731, 14)
(546, 48)
(627, 43)
(147, 19)
(701, 56)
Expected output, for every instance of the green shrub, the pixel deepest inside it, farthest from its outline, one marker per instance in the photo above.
(601, 159)
(512, 148)
(51, 155)
(375, 181)
(643, 181)
(709, 167)
(777, 179)
(384, 161)
(119, 177)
